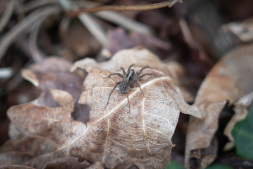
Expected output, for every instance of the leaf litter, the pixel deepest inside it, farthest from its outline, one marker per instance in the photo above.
(228, 81)
(112, 136)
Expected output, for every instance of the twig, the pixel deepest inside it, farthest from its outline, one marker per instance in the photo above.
(125, 22)
(114, 17)
(88, 21)
(94, 27)
(35, 4)
(7, 14)
(168, 3)
(23, 26)
(35, 52)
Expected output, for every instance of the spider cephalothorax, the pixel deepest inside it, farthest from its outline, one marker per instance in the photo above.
(129, 79)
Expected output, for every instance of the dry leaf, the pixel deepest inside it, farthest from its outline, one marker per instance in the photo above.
(67, 163)
(96, 165)
(229, 79)
(53, 73)
(143, 135)
(15, 167)
(46, 137)
(78, 41)
(119, 40)
(24, 122)
(241, 112)
(242, 30)
(113, 136)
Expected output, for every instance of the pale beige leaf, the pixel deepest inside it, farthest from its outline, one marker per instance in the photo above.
(143, 135)
(229, 79)
(29, 119)
(96, 165)
(113, 136)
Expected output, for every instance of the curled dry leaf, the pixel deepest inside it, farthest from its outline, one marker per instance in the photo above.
(241, 112)
(143, 135)
(43, 131)
(242, 30)
(53, 73)
(229, 79)
(25, 122)
(113, 136)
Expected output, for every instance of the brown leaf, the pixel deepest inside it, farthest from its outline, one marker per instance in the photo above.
(143, 135)
(242, 30)
(229, 79)
(53, 73)
(96, 165)
(15, 167)
(66, 163)
(51, 64)
(113, 136)
(78, 41)
(38, 122)
(119, 40)
(241, 112)
(47, 132)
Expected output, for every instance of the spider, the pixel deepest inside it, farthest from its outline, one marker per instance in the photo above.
(129, 79)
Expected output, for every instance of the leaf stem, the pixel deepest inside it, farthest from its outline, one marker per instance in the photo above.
(168, 3)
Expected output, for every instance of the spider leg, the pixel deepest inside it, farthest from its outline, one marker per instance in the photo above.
(118, 74)
(111, 94)
(128, 102)
(128, 71)
(123, 70)
(143, 69)
(140, 89)
(145, 75)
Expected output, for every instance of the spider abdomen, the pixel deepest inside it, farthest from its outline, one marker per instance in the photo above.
(124, 87)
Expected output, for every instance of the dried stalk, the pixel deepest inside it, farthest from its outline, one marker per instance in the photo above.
(169, 3)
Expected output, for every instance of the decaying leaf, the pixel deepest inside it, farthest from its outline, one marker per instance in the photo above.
(241, 111)
(53, 73)
(114, 136)
(119, 40)
(43, 131)
(15, 167)
(229, 79)
(143, 135)
(96, 165)
(67, 163)
(26, 122)
(242, 30)
(76, 45)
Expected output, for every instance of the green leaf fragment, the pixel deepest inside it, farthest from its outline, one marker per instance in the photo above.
(174, 165)
(243, 135)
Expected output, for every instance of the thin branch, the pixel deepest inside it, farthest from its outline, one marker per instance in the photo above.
(36, 54)
(94, 27)
(35, 4)
(168, 3)
(23, 26)
(6, 15)
(119, 19)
